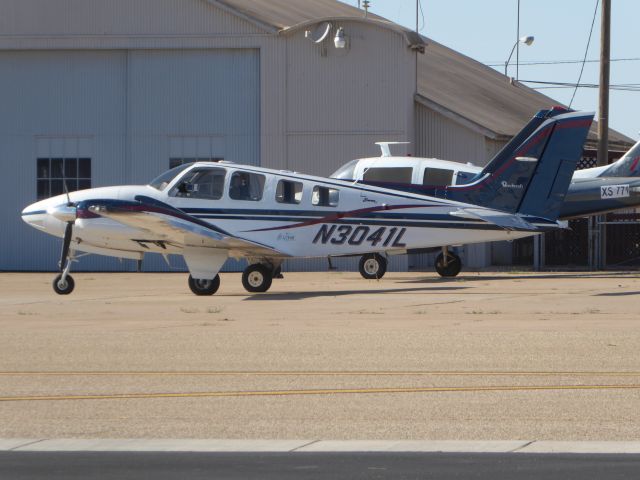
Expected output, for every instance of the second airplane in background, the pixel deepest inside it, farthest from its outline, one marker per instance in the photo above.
(592, 191)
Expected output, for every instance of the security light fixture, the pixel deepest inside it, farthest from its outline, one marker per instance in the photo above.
(340, 40)
(527, 40)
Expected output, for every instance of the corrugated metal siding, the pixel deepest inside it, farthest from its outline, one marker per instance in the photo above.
(195, 93)
(439, 137)
(57, 97)
(119, 17)
(341, 101)
(129, 108)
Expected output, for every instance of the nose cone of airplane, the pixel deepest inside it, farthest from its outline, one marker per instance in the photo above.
(35, 215)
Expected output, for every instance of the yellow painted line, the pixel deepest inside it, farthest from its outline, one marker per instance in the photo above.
(321, 373)
(327, 391)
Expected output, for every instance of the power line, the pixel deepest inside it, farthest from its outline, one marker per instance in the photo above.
(586, 51)
(561, 62)
(629, 87)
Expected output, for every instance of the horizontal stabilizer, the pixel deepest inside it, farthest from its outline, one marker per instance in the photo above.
(504, 220)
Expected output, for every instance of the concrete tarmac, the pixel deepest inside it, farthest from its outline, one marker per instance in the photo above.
(486, 356)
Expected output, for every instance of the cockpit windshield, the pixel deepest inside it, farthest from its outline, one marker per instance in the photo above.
(161, 182)
(346, 172)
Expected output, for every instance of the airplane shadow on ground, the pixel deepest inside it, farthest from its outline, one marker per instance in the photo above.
(485, 278)
(616, 294)
(340, 293)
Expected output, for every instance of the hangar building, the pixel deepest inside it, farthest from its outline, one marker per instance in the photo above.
(117, 91)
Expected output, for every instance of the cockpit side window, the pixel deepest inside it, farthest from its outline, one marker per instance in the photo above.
(206, 183)
(161, 182)
(246, 186)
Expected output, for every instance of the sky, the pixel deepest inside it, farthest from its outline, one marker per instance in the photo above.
(486, 31)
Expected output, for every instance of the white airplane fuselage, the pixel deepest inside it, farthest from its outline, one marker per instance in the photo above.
(359, 218)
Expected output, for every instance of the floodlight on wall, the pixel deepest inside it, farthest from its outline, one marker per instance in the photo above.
(340, 40)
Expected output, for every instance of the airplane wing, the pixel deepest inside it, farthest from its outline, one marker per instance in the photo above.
(158, 221)
(504, 220)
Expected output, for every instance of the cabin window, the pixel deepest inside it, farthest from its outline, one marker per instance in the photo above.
(437, 176)
(289, 192)
(325, 196)
(393, 175)
(53, 173)
(206, 183)
(464, 177)
(246, 186)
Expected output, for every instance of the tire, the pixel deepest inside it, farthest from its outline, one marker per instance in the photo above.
(372, 266)
(65, 288)
(453, 267)
(257, 278)
(203, 287)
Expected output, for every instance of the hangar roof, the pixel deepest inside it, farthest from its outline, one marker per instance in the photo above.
(285, 15)
(481, 95)
(449, 82)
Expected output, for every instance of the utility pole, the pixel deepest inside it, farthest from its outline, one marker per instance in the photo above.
(518, 44)
(603, 121)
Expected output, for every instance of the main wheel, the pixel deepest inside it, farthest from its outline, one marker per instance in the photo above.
(257, 278)
(201, 286)
(63, 287)
(453, 267)
(372, 266)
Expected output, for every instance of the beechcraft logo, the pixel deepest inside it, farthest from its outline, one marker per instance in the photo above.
(511, 185)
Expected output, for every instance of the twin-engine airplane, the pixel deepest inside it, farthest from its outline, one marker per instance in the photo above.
(208, 212)
(592, 191)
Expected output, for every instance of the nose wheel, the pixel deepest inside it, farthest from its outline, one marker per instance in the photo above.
(257, 278)
(372, 266)
(202, 287)
(63, 285)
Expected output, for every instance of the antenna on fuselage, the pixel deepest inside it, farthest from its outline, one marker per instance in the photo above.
(385, 151)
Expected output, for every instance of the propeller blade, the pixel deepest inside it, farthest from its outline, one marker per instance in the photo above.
(66, 190)
(66, 242)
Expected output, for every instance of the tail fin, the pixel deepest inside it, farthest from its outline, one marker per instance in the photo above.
(548, 187)
(627, 166)
(505, 182)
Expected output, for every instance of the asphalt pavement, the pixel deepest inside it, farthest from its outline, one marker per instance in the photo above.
(283, 466)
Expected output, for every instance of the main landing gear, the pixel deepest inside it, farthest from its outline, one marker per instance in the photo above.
(372, 266)
(257, 278)
(448, 264)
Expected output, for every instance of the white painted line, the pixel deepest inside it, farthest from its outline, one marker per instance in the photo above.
(11, 443)
(548, 446)
(220, 445)
(414, 446)
(162, 445)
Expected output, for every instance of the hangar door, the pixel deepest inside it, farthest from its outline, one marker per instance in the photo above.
(114, 117)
